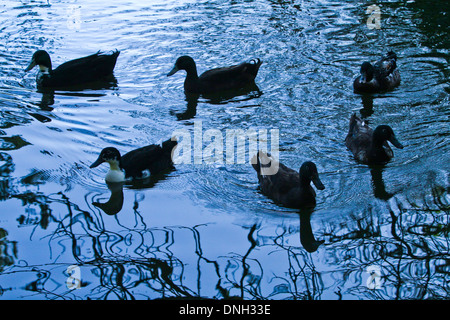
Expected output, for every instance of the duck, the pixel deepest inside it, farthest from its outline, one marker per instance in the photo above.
(370, 146)
(379, 77)
(95, 67)
(138, 163)
(284, 185)
(217, 79)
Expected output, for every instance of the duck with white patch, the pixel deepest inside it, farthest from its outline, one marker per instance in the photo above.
(95, 67)
(137, 163)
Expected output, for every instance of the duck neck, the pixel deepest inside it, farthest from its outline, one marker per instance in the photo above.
(377, 141)
(43, 75)
(115, 165)
(115, 173)
(376, 149)
(44, 70)
(191, 83)
(305, 183)
(191, 72)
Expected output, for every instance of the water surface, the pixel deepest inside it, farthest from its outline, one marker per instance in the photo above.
(205, 229)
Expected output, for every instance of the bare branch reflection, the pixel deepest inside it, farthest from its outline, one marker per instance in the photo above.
(121, 258)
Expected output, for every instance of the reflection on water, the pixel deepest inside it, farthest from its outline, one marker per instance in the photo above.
(131, 258)
(244, 94)
(205, 230)
(115, 201)
(379, 188)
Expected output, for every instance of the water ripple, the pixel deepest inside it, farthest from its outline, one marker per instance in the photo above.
(208, 226)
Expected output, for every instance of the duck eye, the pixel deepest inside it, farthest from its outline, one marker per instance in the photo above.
(107, 155)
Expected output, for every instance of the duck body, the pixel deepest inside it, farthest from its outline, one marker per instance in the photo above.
(218, 79)
(95, 67)
(370, 146)
(136, 163)
(284, 185)
(379, 77)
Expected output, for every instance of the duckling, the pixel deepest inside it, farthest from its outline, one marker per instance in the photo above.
(136, 163)
(370, 146)
(284, 185)
(91, 68)
(218, 79)
(382, 76)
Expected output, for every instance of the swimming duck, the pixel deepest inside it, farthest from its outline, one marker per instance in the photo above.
(284, 185)
(370, 146)
(382, 76)
(218, 79)
(136, 163)
(91, 68)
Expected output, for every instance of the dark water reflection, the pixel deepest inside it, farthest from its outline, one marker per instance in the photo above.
(205, 230)
(248, 93)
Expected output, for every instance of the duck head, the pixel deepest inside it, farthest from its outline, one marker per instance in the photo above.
(112, 156)
(391, 55)
(367, 72)
(308, 172)
(42, 59)
(385, 133)
(184, 63)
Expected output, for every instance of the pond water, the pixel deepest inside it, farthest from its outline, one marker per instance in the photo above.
(205, 230)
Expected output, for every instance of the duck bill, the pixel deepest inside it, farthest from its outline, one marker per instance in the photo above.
(395, 142)
(31, 66)
(319, 185)
(173, 71)
(97, 162)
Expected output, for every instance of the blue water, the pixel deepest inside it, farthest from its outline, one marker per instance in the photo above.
(205, 229)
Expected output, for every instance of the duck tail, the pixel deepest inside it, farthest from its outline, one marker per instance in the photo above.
(253, 65)
(112, 54)
(169, 144)
(256, 164)
(115, 53)
(256, 61)
(353, 121)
